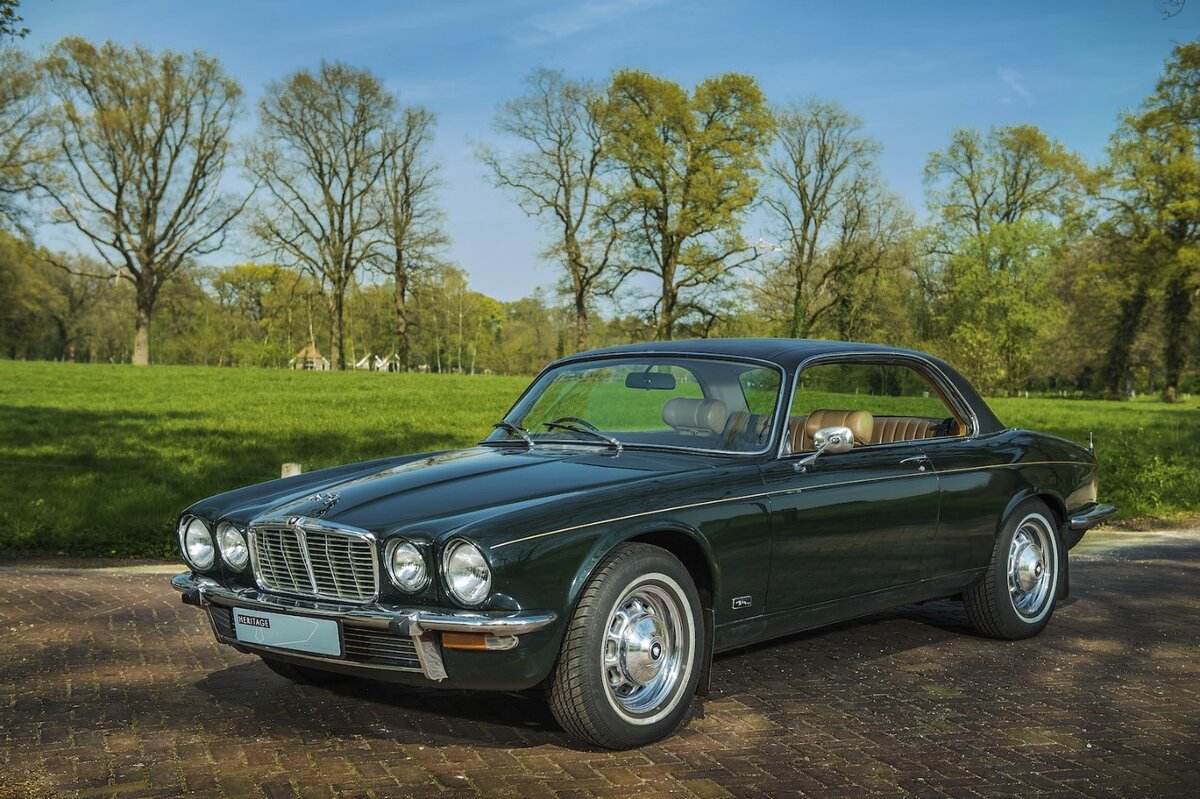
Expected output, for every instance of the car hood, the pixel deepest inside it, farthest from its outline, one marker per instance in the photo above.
(455, 487)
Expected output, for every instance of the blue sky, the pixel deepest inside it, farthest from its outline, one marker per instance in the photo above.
(913, 71)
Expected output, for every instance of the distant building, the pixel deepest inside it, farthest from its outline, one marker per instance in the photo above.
(310, 358)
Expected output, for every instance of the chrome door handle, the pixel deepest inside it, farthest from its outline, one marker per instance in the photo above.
(921, 461)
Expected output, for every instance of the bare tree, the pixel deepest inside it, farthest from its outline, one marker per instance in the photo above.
(412, 230)
(139, 145)
(557, 176)
(319, 157)
(836, 223)
(21, 119)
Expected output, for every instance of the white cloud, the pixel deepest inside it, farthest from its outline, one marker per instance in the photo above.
(570, 19)
(1012, 79)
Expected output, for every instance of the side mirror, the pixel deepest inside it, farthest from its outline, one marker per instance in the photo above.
(828, 439)
(834, 439)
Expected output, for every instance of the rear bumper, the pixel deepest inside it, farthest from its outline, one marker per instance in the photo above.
(1085, 519)
(1089, 517)
(378, 623)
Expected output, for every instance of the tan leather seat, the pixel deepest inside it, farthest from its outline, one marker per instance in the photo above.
(889, 429)
(696, 416)
(803, 428)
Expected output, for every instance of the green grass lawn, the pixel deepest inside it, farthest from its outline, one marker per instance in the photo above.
(98, 460)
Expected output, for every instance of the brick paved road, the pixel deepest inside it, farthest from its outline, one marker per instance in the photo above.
(110, 687)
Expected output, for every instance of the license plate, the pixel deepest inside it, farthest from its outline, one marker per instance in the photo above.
(300, 633)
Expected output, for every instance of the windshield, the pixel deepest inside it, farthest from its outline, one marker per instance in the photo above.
(694, 403)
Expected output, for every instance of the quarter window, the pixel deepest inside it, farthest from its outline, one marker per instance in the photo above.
(880, 403)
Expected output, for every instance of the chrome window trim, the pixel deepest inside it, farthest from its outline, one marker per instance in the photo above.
(299, 525)
(705, 356)
(926, 368)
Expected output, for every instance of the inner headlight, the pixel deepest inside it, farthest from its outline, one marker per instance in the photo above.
(233, 545)
(467, 573)
(406, 566)
(196, 543)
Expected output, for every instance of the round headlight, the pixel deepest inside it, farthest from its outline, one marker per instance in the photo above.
(197, 543)
(467, 573)
(406, 566)
(233, 545)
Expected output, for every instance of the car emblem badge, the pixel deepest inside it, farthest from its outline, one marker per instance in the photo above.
(327, 499)
(741, 602)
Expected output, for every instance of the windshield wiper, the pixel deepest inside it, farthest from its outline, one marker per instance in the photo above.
(612, 442)
(516, 430)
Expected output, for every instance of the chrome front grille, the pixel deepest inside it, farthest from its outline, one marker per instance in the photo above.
(318, 563)
(383, 648)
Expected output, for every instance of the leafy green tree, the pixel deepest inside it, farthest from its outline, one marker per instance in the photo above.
(10, 23)
(686, 169)
(140, 140)
(838, 226)
(320, 157)
(1154, 199)
(1000, 207)
(22, 117)
(557, 176)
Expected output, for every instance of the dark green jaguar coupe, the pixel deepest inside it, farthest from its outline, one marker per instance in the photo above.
(638, 509)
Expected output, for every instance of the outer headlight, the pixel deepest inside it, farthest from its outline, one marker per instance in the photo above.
(196, 543)
(233, 545)
(406, 566)
(467, 573)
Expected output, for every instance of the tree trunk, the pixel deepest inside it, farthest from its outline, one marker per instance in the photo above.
(1177, 307)
(141, 329)
(401, 313)
(666, 311)
(581, 321)
(337, 330)
(1116, 361)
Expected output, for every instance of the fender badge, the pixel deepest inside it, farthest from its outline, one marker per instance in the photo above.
(742, 602)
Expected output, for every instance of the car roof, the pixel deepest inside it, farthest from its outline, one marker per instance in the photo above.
(789, 353)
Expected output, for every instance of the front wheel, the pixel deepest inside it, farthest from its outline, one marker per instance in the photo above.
(1016, 596)
(630, 657)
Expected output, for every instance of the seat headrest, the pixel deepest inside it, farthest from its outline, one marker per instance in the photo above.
(861, 423)
(695, 415)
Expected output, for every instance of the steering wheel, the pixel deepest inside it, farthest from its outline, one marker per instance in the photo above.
(575, 420)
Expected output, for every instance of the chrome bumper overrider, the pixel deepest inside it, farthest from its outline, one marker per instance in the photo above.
(502, 627)
(1092, 516)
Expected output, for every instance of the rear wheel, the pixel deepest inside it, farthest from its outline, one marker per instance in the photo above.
(630, 657)
(1016, 597)
(303, 674)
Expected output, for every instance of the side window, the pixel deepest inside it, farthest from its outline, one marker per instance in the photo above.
(880, 403)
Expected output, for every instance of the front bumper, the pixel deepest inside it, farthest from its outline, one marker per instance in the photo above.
(500, 630)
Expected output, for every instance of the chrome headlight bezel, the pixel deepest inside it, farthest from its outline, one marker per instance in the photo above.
(192, 525)
(483, 582)
(418, 558)
(236, 552)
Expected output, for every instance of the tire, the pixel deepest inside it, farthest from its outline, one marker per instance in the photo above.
(630, 658)
(1016, 597)
(303, 674)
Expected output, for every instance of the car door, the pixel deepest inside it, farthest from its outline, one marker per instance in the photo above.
(850, 524)
(862, 521)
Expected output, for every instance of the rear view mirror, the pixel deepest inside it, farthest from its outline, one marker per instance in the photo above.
(651, 381)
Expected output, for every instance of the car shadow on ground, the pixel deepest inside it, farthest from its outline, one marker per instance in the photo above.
(447, 717)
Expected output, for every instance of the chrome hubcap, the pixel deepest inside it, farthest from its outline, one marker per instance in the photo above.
(642, 659)
(1031, 562)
